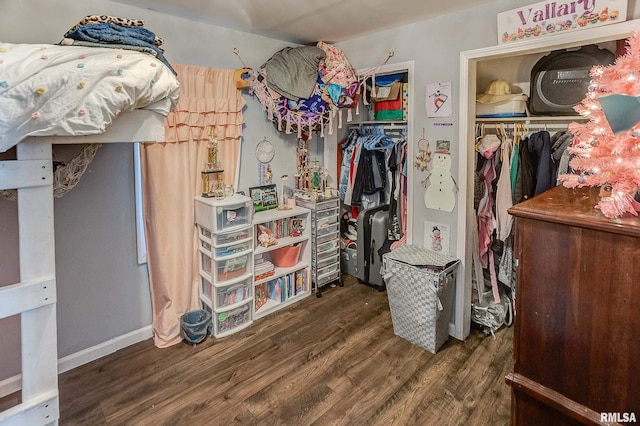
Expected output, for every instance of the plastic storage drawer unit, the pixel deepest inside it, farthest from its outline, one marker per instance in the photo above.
(223, 215)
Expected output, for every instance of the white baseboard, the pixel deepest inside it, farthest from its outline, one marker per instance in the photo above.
(10, 385)
(69, 362)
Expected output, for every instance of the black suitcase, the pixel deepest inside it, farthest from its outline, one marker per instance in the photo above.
(372, 234)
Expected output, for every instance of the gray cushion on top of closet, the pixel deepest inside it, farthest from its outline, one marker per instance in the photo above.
(293, 71)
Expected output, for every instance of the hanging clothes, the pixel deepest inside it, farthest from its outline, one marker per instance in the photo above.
(560, 141)
(347, 152)
(367, 185)
(486, 225)
(402, 196)
(504, 200)
(540, 146)
(526, 176)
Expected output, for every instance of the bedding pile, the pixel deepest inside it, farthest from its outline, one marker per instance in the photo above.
(302, 88)
(77, 90)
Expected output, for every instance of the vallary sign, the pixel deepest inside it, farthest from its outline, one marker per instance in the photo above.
(556, 16)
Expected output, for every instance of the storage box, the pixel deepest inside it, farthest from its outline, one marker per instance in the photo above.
(226, 269)
(349, 261)
(420, 287)
(232, 293)
(227, 322)
(286, 257)
(223, 215)
(514, 107)
(387, 93)
(232, 237)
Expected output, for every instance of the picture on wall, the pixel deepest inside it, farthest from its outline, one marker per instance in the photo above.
(264, 197)
(439, 99)
(436, 237)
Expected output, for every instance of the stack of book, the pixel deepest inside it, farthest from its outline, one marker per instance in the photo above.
(262, 268)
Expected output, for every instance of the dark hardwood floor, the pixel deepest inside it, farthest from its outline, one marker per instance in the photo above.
(332, 360)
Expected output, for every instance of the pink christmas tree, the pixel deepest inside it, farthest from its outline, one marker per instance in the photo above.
(607, 146)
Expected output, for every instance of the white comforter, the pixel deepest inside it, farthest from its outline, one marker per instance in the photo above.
(48, 90)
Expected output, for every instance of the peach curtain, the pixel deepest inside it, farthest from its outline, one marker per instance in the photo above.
(209, 101)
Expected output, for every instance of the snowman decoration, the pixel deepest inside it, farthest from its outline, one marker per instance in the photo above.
(440, 193)
(436, 239)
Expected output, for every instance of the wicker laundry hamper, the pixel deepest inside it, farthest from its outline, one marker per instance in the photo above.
(420, 287)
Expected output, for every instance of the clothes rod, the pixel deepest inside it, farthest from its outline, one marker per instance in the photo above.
(391, 126)
(537, 126)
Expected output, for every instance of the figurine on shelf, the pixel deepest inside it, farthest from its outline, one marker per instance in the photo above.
(212, 149)
(283, 198)
(297, 226)
(266, 237)
(212, 180)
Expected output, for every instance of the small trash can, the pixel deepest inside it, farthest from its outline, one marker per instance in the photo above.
(195, 325)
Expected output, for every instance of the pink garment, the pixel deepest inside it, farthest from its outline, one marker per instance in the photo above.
(486, 225)
(339, 70)
(486, 220)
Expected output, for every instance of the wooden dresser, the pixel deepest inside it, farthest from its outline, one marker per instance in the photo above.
(577, 325)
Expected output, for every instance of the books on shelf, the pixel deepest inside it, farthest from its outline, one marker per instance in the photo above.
(282, 288)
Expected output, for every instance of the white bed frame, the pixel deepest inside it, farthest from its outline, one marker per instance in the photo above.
(34, 297)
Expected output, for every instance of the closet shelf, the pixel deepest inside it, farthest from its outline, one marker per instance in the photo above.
(533, 119)
(393, 123)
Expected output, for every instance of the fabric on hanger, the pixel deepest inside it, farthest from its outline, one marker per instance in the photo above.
(394, 220)
(353, 168)
(402, 204)
(560, 141)
(504, 199)
(477, 264)
(540, 147)
(486, 226)
(525, 179)
(518, 133)
(347, 153)
(378, 142)
(505, 268)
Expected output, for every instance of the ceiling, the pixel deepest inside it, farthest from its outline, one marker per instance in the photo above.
(306, 21)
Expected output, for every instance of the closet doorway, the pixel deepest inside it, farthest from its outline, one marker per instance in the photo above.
(360, 116)
(512, 61)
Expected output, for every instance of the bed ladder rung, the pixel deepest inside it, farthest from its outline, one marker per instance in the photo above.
(22, 297)
(41, 410)
(17, 174)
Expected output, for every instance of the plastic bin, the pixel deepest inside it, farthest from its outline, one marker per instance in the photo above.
(195, 325)
(286, 257)
(420, 287)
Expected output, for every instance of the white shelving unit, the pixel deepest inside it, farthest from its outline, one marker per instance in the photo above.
(512, 61)
(325, 241)
(290, 282)
(225, 245)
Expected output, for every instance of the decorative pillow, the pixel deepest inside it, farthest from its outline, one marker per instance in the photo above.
(337, 69)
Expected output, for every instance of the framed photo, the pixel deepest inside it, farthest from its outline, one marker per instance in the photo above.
(264, 197)
(436, 237)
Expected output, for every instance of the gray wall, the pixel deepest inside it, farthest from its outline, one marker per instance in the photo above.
(103, 293)
(435, 45)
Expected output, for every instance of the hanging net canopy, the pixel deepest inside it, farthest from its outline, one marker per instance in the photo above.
(302, 88)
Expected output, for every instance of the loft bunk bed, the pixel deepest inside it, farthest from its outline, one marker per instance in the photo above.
(51, 94)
